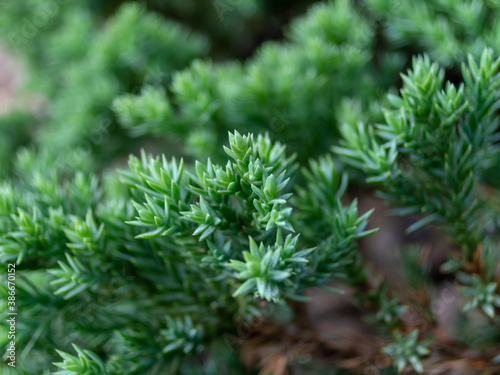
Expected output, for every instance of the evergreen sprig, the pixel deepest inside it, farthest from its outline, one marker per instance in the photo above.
(207, 243)
(172, 265)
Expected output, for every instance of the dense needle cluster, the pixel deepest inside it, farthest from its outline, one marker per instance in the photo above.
(207, 258)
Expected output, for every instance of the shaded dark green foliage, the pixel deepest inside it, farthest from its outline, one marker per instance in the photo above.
(151, 268)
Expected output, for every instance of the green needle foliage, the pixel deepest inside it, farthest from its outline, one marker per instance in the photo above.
(84, 63)
(205, 259)
(436, 143)
(447, 30)
(405, 350)
(328, 70)
(179, 258)
(430, 157)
